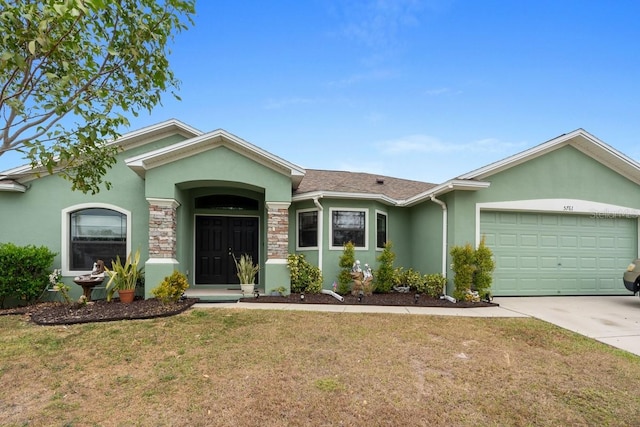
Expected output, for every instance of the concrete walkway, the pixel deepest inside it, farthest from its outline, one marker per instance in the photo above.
(614, 320)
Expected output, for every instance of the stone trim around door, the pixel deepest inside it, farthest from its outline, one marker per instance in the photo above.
(162, 228)
(277, 230)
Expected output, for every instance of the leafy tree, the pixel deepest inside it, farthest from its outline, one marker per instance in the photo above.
(71, 69)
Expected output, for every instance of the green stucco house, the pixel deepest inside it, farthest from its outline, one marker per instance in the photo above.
(561, 217)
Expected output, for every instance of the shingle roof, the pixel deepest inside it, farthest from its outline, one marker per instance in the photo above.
(361, 183)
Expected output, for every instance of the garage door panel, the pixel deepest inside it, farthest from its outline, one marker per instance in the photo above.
(548, 263)
(529, 262)
(508, 240)
(625, 243)
(529, 240)
(606, 242)
(588, 242)
(508, 261)
(566, 254)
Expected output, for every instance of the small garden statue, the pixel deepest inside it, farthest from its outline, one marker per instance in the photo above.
(362, 280)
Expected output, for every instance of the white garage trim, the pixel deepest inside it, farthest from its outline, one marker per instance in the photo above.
(566, 206)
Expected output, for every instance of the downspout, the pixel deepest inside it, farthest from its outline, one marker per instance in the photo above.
(320, 230)
(445, 216)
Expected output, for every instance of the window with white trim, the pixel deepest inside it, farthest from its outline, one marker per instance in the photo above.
(93, 232)
(381, 229)
(308, 228)
(348, 225)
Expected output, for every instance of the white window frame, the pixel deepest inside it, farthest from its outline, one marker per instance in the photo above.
(366, 228)
(66, 232)
(386, 221)
(318, 237)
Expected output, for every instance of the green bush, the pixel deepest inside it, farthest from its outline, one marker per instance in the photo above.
(347, 259)
(409, 277)
(473, 270)
(383, 277)
(24, 272)
(171, 288)
(432, 285)
(484, 269)
(304, 276)
(463, 267)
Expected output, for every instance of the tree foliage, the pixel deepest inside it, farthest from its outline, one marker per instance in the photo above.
(70, 71)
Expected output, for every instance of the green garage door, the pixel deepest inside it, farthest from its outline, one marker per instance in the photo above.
(551, 254)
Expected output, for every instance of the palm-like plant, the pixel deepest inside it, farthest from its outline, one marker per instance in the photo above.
(246, 270)
(123, 277)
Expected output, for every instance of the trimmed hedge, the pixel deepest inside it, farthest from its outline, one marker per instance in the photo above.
(24, 272)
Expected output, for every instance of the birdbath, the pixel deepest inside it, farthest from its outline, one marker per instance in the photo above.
(88, 283)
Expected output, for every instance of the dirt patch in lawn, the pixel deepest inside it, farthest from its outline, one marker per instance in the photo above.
(56, 313)
(390, 299)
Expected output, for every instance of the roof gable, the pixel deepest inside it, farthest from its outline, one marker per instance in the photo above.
(209, 141)
(578, 139)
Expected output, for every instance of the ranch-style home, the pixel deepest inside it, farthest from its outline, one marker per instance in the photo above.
(561, 217)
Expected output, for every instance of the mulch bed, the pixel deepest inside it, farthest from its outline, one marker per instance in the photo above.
(390, 299)
(57, 313)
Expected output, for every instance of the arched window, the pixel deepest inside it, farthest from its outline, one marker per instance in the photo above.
(93, 233)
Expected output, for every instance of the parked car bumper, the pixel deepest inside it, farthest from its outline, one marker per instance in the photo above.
(631, 277)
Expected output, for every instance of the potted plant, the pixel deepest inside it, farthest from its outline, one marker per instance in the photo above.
(246, 271)
(123, 278)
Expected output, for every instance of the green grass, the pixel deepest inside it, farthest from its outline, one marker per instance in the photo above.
(272, 368)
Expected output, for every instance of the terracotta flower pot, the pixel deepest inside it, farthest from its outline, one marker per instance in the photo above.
(126, 295)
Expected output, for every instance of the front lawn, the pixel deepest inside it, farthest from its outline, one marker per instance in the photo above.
(273, 368)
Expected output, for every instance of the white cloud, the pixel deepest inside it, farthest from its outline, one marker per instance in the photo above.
(428, 144)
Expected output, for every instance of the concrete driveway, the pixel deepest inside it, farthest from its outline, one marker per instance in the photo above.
(614, 320)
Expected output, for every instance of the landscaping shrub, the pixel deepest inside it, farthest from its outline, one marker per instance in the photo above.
(172, 288)
(432, 285)
(347, 259)
(485, 265)
(383, 277)
(305, 277)
(473, 271)
(409, 277)
(463, 268)
(24, 272)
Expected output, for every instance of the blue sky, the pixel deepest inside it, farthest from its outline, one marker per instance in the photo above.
(417, 89)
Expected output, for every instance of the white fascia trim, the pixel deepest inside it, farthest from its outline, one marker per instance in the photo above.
(522, 156)
(164, 203)
(206, 142)
(341, 195)
(13, 187)
(130, 139)
(560, 206)
(451, 185)
(124, 140)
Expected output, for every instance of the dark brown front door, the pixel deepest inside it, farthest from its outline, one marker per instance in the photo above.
(218, 240)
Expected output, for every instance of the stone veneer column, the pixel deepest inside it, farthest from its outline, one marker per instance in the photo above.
(277, 230)
(276, 271)
(163, 239)
(162, 228)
